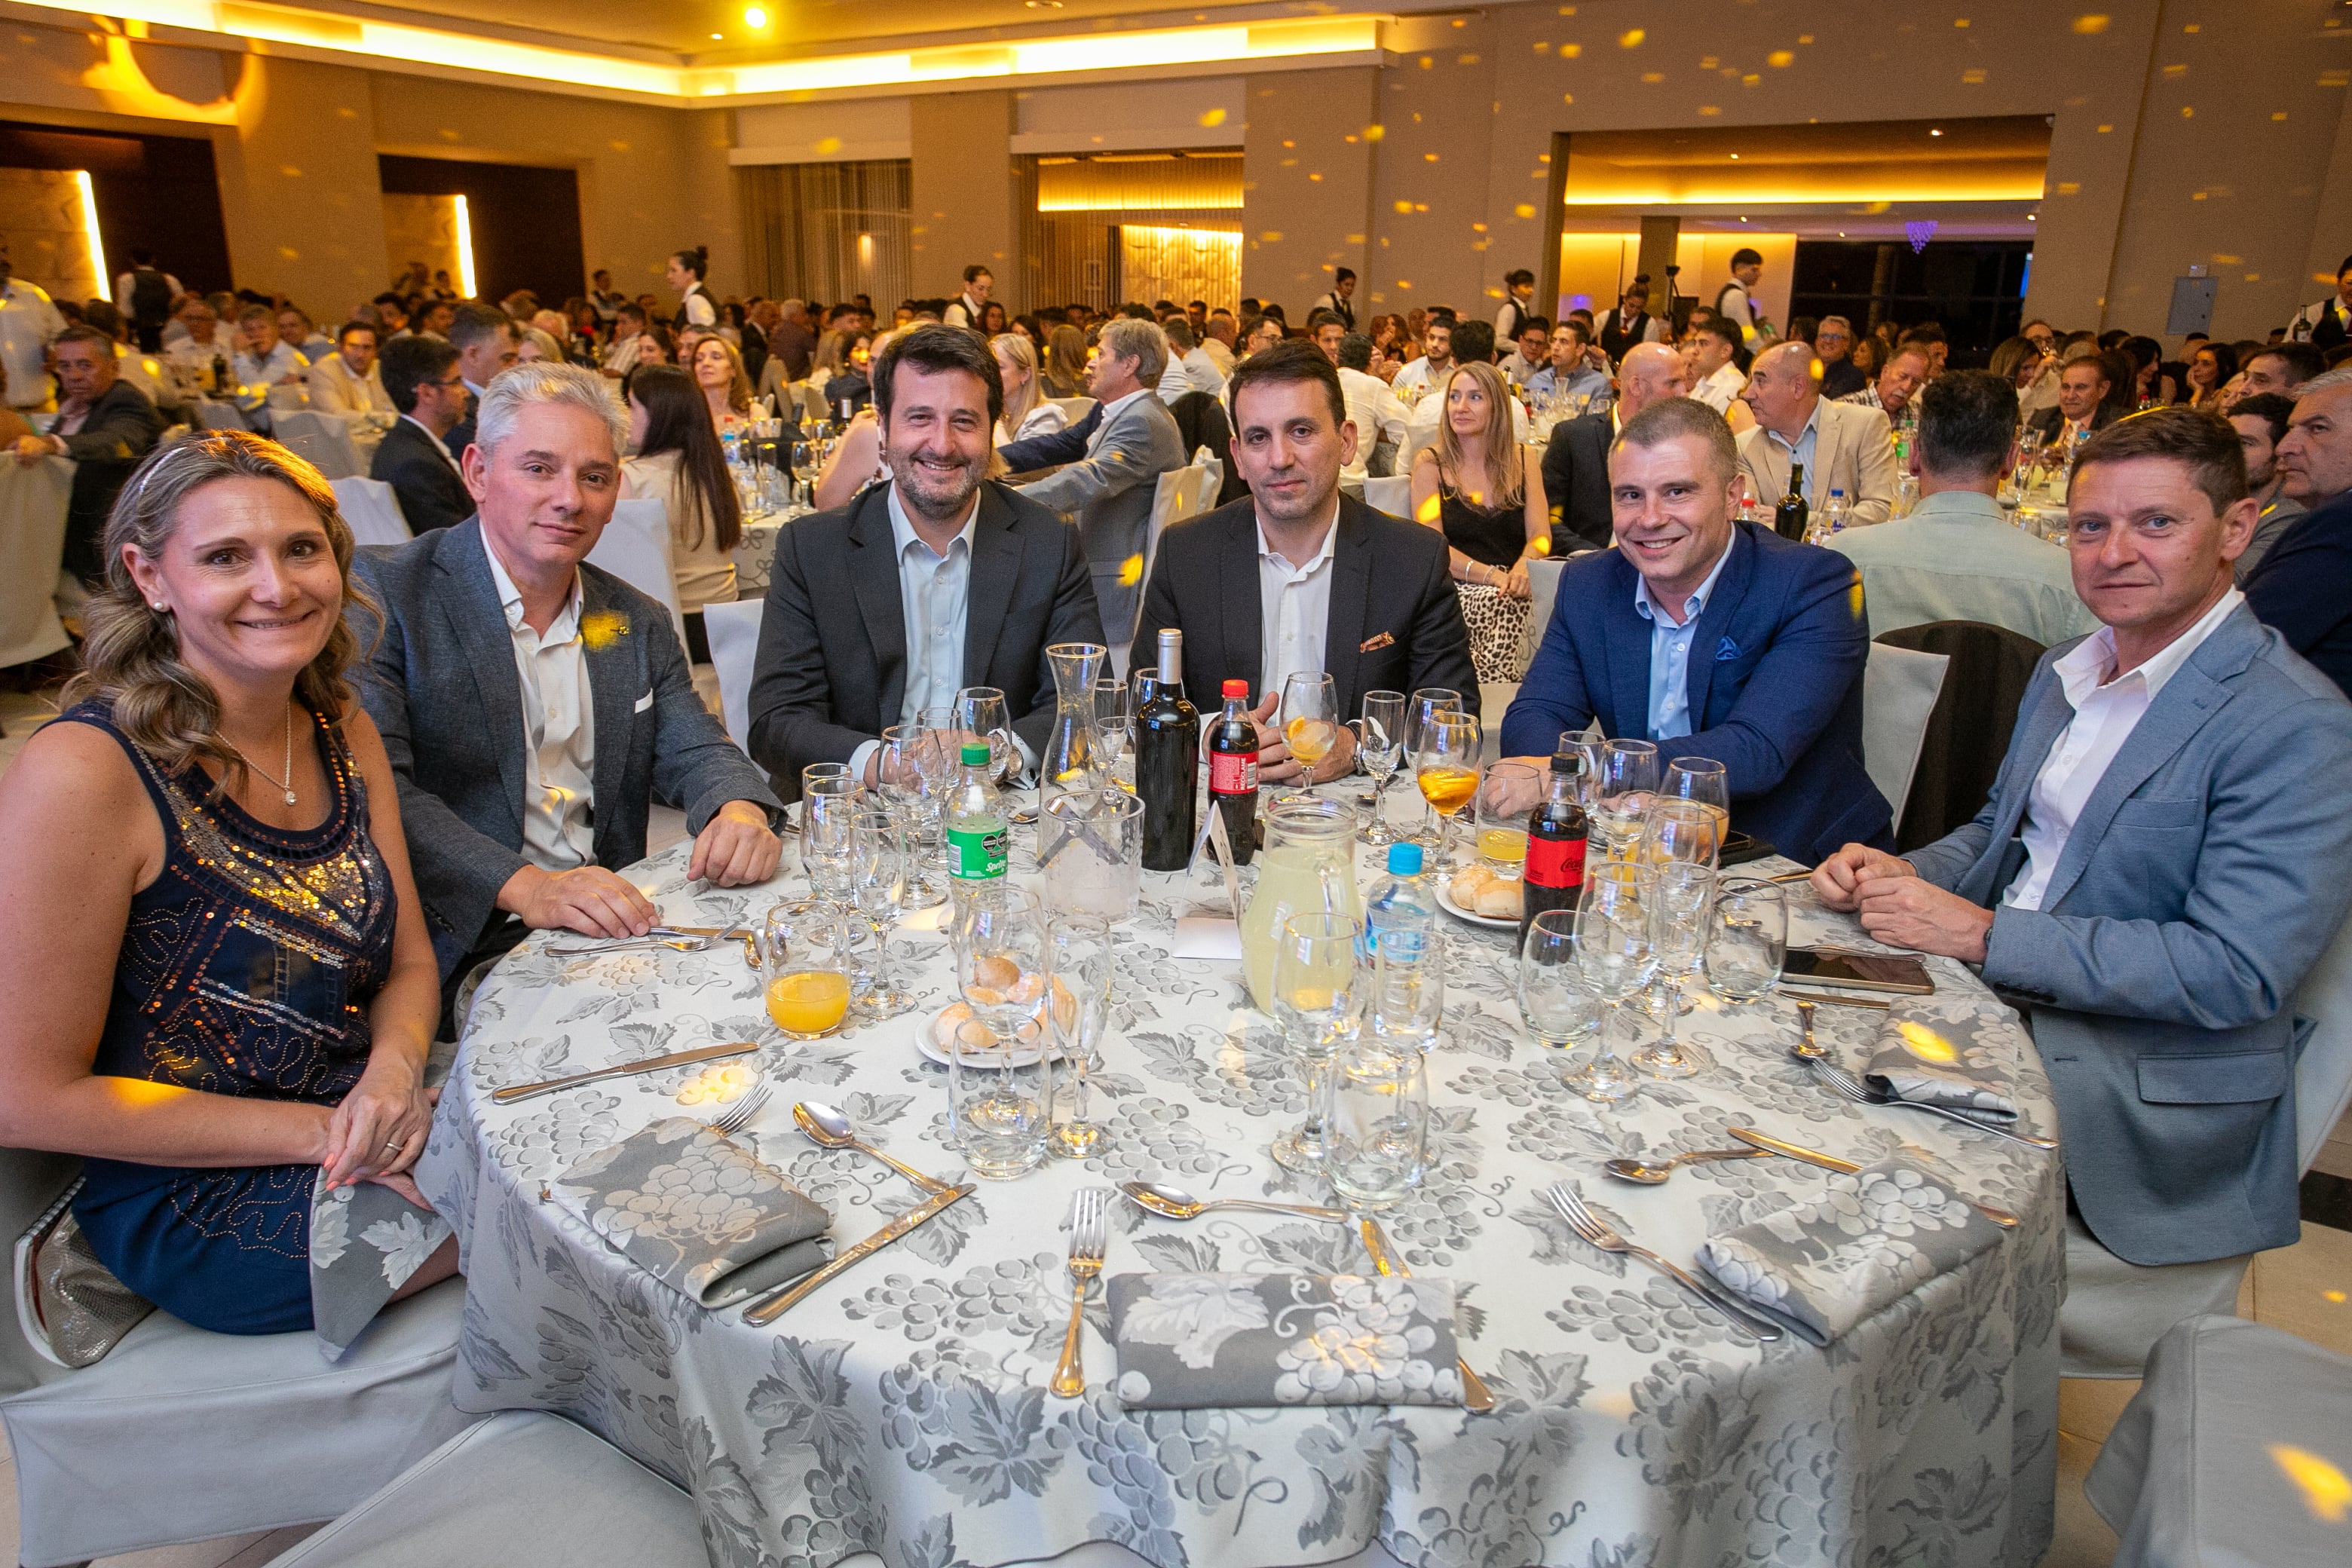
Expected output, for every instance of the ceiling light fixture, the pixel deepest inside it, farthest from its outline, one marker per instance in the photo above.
(755, 18)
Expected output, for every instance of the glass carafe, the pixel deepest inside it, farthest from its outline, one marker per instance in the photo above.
(1306, 866)
(1072, 762)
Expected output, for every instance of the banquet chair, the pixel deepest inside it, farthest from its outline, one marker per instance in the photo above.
(734, 628)
(1393, 496)
(372, 509)
(214, 414)
(1543, 591)
(1180, 494)
(522, 1490)
(1899, 698)
(322, 440)
(181, 1435)
(1968, 734)
(33, 505)
(1074, 409)
(635, 548)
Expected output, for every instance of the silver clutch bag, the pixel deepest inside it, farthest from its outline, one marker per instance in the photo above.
(70, 1307)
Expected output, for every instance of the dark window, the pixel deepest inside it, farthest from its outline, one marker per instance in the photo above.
(1975, 290)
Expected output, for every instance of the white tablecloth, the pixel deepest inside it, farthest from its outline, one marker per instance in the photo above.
(757, 552)
(903, 1409)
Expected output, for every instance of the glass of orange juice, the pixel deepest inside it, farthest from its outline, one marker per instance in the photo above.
(804, 950)
(1310, 717)
(1445, 766)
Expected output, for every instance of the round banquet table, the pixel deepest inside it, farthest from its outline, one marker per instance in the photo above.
(902, 1410)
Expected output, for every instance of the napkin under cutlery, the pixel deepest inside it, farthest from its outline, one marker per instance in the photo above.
(367, 1242)
(1823, 1266)
(700, 1213)
(1952, 1062)
(1190, 1341)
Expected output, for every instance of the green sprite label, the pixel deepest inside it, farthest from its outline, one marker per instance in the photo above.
(976, 852)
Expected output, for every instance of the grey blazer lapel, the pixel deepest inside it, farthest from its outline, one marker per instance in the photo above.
(988, 591)
(873, 569)
(477, 623)
(616, 673)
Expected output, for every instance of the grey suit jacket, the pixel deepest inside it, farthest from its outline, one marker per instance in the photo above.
(2208, 871)
(1109, 491)
(441, 685)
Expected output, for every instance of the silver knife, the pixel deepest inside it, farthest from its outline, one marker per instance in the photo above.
(1477, 1397)
(2000, 1217)
(769, 1309)
(626, 1069)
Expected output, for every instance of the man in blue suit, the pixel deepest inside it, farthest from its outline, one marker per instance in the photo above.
(2165, 856)
(1714, 638)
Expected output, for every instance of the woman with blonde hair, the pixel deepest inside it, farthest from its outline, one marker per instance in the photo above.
(218, 988)
(537, 345)
(1064, 372)
(1027, 411)
(718, 372)
(1484, 492)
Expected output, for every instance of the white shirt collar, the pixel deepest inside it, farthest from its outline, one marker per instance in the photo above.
(1696, 605)
(1266, 551)
(902, 527)
(2091, 665)
(436, 441)
(566, 624)
(1110, 409)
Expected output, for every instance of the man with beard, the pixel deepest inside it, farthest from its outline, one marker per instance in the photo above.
(1296, 577)
(938, 580)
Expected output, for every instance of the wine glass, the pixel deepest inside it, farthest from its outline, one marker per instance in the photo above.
(1425, 705)
(1616, 947)
(1556, 1002)
(1375, 1124)
(1702, 779)
(1083, 961)
(1379, 748)
(980, 711)
(915, 791)
(1682, 907)
(1680, 832)
(1445, 766)
(1748, 940)
(1115, 730)
(1310, 719)
(878, 885)
(1314, 984)
(827, 806)
(1624, 776)
(998, 1103)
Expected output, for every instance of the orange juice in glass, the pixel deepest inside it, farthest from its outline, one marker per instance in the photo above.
(803, 969)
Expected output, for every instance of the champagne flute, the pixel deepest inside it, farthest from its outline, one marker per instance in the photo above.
(998, 1105)
(1380, 748)
(878, 885)
(1624, 776)
(1375, 1117)
(1682, 908)
(1310, 721)
(1314, 984)
(1115, 730)
(1081, 956)
(1445, 766)
(1615, 944)
(1747, 939)
(1427, 704)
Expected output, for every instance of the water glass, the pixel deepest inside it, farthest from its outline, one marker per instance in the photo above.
(1314, 984)
(1508, 794)
(916, 797)
(1557, 1003)
(1090, 851)
(1681, 913)
(1375, 1117)
(1625, 777)
(1616, 946)
(1082, 959)
(1115, 730)
(828, 806)
(1748, 940)
(980, 711)
(1682, 832)
(877, 886)
(1001, 1092)
(1379, 751)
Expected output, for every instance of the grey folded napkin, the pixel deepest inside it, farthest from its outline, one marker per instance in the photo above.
(1956, 1063)
(700, 1214)
(1189, 1341)
(367, 1242)
(1872, 1239)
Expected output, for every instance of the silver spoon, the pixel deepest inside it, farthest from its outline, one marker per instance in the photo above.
(1175, 1203)
(1650, 1176)
(827, 1127)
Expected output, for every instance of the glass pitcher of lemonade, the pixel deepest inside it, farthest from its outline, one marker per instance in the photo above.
(804, 956)
(1308, 866)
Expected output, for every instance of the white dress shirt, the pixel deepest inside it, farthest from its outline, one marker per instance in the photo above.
(1293, 607)
(1195, 372)
(1375, 412)
(558, 724)
(1717, 390)
(2107, 708)
(27, 322)
(1415, 378)
(934, 598)
(269, 368)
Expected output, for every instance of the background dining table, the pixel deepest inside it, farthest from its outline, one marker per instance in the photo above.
(903, 1408)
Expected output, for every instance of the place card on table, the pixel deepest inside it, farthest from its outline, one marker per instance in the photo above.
(1192, 1342)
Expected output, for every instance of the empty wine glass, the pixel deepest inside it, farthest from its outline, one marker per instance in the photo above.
(1083, 961)
(1616, 945)
(1115, 730)
(1701, 779)
(1310, 719)
(1681, 903)
(1375, 1116)
(1556, 1002)
(998, 1103)
(1445, 766)
(1407, 1000)
(1425, 705)
(1313, 982)
(1625, 777)
(1748, 940)
(878, 885)
(1380, 750)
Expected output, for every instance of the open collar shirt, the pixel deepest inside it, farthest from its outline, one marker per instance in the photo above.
(1294, 607)
(559, 721)
(1670, 647)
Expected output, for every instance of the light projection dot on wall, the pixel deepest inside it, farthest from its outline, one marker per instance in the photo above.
(1374, 133)
(1429, 157)
(2280, 115)
(1804, 39)
(1570, 51)
(1630, 38)
(1781, 60)
(1213, 117)
(1710, 108)
(1960, 21)
(1652, 79)
(1404, 207)
(2089, 23)
(2187, 111)
(1524, 209)
(1567, 98)
(1750, 80)
(829, 145)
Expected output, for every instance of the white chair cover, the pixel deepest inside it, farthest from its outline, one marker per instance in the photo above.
(1543, 590)
(1393, 496)
(521, 1490)
(213, 414)
(733, 630)
(1899, 693)
(371, 509)
(635, 549)
(1074, 409)
(1181, 493)
(2323, 1077)
(32, 545)
(322, 440)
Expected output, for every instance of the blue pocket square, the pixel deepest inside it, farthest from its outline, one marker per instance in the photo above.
(1726, 649)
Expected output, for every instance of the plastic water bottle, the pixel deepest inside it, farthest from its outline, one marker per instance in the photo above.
(1402, 912)
(1834, 517)
(978, 836)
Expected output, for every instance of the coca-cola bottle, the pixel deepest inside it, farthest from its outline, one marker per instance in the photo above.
(1232, 770)
(1558, 833)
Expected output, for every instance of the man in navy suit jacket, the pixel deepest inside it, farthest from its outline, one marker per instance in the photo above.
(1714, 638)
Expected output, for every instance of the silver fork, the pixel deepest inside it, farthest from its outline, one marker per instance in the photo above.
(1860, 1093)
(740, 1115)
(1590, 1227)
(1088, 1225)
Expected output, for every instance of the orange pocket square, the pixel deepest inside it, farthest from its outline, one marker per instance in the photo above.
(1374, 645)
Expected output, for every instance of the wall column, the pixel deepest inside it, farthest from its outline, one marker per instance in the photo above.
(1306, 182)
(963, 192)
(300, 195)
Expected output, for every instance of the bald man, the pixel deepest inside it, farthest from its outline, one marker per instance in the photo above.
(1842, 446)
(1576, 463)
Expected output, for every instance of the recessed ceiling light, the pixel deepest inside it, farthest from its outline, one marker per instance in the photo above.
(1042, 4)
(755, 17)
(715, 36)
(1935, 134)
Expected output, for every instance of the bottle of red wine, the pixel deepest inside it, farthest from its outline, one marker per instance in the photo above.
(1232, 770)
(1788, 517)
(1557, 836)
(1167, 763)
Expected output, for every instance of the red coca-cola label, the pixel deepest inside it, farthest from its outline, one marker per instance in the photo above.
(1556, 862)
(1232, 772)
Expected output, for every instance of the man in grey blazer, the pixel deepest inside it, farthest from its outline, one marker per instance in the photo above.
(1110, 490)
(2165, 856)
(534, 706)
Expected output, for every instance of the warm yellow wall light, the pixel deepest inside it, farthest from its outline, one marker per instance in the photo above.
(89, 232)
(465, 226)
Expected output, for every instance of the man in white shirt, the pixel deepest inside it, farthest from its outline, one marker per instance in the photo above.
(198, 361)
(2329, 323)
(964, 309)
(1379, 418)
(1714, 379)
(1736, 302)
(295, 330)
(262, 361)
(1189, 369)
(348, 381)
(1420, 375)
(28, 323)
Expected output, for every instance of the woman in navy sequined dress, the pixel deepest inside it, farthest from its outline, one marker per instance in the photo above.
(215, 981)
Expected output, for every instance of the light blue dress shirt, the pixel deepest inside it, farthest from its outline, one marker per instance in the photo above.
(1586, 383)
(934, 595)
(1669, 647)
(1801, 452)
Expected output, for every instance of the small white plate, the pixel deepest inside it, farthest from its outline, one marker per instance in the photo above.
(926, 1042)
(1492, 923)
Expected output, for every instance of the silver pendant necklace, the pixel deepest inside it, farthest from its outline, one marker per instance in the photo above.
(286, 783)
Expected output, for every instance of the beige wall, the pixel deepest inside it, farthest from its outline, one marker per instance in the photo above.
(962, 191)
(41, 228)
(1306, 165)
(299, 193)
